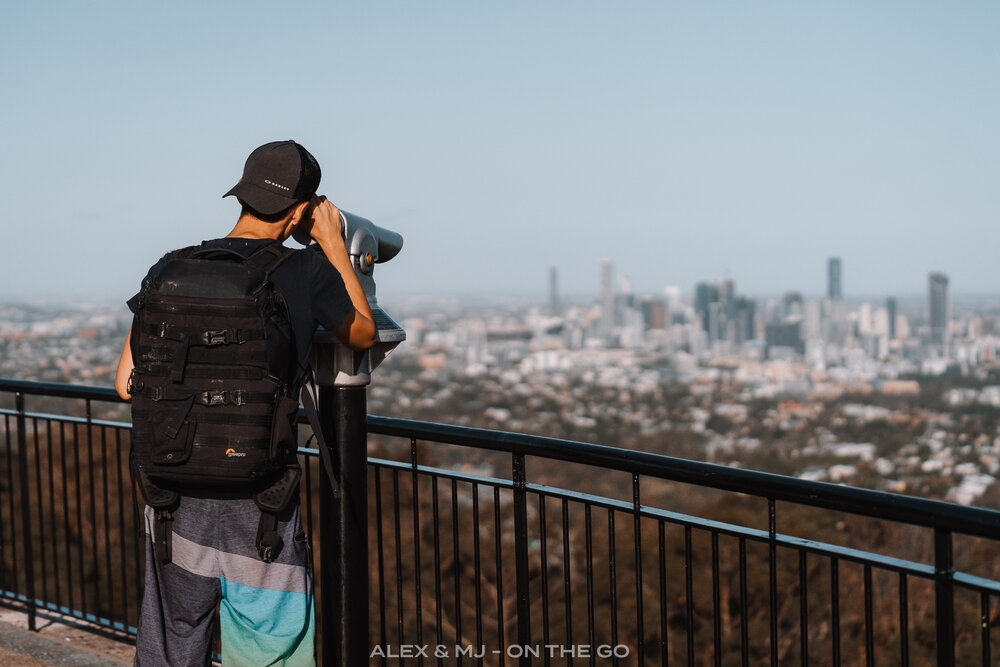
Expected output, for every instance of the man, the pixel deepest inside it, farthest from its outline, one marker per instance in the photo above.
(213, 552)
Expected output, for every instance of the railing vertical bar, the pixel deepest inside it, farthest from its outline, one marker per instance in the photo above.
(417, 570)
(637, 532)
(544, 572)
(689, 593)
(716, 603)
(139, 543)
(803, 608)
(79, 519)
(497, 541)
(107, 522)
(478, 568)
(772, 578)
(588, 533)
(661, 530)
(612, 581)
(567, 584)
(43, 556)
(122, 481)
(380, 542)
(944, 602)
(52, 512)
(904, 621)
(984, 616)
(29, 557)
(835, 609)
(6, 544)
(437, 564)
(869, 631)
(401, 638)
(93, 509)
(12, 543)
(519, 478)
(744, 614)
(67, 527)
(457, 569)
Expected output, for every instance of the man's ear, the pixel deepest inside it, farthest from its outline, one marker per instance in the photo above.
(298, 212)
(295, 219)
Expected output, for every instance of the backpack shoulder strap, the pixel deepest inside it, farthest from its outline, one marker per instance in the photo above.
(201, 252)
(270, 257)
(186, 253)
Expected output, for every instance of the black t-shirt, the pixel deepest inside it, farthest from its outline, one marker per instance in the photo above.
(312, 288)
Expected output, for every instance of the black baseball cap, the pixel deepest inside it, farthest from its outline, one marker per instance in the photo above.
(276, 176)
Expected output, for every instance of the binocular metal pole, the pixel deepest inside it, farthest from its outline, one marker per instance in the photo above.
(343, 537)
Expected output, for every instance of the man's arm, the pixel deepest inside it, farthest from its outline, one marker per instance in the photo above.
(358, 330)
(125, 365)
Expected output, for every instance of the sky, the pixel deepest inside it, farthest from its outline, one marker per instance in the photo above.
(682, 141)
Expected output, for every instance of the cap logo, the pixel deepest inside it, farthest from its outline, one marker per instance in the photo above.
(277, 185)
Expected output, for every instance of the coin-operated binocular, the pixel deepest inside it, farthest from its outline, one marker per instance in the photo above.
(335, 363)
(343, 375)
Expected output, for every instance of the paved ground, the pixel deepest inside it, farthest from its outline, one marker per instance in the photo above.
(57, 643)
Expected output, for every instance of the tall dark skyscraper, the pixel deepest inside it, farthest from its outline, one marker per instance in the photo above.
(890, 305)
(705, 294)
(607, 299)
(554, 290)
(834, 289)
(939, 304)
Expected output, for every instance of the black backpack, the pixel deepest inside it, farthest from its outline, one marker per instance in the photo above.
(215, 386)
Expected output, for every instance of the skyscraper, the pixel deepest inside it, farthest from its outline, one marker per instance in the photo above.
(890, 305)
(705, 294)
(939, 304)
(554, 290)
(607, 299)
(834, 290)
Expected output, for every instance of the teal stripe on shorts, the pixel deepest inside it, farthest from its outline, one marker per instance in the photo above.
(266, 627)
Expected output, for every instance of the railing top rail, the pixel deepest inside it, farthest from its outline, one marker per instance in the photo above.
(82, 391)
(865, 502)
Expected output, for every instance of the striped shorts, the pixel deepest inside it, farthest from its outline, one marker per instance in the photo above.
(266, 614)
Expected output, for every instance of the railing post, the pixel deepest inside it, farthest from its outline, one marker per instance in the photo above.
(22, 469)
(344, 528)
(521, 557)
(944, 601)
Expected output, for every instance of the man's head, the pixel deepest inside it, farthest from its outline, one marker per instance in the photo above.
(276, 177)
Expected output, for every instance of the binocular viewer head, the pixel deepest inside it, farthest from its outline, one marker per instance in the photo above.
(367, 243)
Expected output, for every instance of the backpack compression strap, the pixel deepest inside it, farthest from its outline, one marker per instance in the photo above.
(309, 403)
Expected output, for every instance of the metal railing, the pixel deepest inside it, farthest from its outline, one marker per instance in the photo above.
(629, 558)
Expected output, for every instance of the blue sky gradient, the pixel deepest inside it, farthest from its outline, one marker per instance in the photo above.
(684, 141)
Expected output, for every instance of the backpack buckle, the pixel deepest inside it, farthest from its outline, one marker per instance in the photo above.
(212, 398)
(134, 385)
(215, 337)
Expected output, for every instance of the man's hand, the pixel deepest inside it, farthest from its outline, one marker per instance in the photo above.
(324, 221)
(324, 225)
